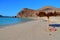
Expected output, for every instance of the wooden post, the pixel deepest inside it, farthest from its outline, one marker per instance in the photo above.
(48, 27)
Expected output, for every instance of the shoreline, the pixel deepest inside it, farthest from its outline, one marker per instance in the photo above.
(20, 23)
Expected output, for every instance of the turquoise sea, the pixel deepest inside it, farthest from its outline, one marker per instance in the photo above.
(10, 21)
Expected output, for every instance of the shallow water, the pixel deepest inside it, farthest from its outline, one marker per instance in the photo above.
(10, 21)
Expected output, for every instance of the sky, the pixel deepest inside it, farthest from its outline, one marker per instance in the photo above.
(12, 7)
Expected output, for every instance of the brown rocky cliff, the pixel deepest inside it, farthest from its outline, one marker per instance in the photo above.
(27, 13)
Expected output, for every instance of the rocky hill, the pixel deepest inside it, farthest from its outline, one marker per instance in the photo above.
(44, 11)
(27, 13)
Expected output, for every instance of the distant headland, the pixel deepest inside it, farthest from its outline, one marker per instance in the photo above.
(7, 16)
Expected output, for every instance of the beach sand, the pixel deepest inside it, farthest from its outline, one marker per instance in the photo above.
(32, 30)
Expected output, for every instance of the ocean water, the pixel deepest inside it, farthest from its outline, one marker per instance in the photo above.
(10, 21)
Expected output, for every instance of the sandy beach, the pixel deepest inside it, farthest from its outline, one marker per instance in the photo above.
(32, 30)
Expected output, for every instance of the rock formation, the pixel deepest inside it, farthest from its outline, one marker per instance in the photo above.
(1, 16)
(45, 11)
(27, 13)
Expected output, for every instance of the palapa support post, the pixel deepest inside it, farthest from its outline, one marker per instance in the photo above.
(48, 27)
